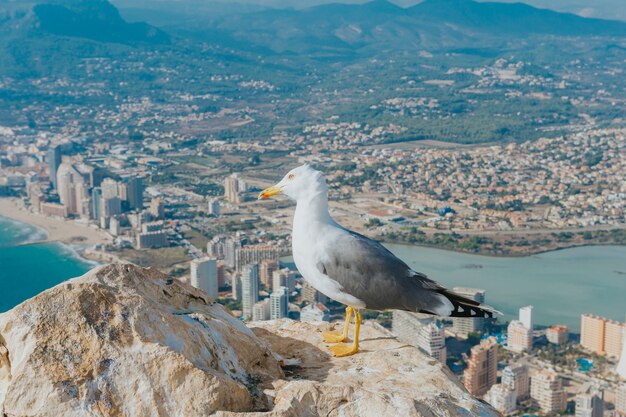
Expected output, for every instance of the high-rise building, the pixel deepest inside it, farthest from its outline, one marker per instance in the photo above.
(589, 402)
(233, 187)
(151, 240)
(96, 201)
(157, 208)
(520, 338)
(620, 401)
(592, 333)
(406, 325)
(482, 367)
(601, 335)
(215, 247)
(255, 253)
(110, 206)
(235, 283)
(204, 275)
(221, 274)
(463, 326)
(266, 271)
(621, 366)
(214, 207)
(431, 339)
(279, 303)
(613, 338)
(261, 310)
(110, 188)
(54, 161)
(284, 278)
(502, 399)
(115, 228)
(557, 335)
(72, 190)
(315, 312)
(249, 289)
(516, 378)
(134, 193)
(311, 295)
(230, 251)
(546, 390)
(526, 317)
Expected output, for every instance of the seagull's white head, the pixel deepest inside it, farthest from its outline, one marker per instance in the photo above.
(299, 183)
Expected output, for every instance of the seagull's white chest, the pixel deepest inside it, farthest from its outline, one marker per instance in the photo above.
(308, 242)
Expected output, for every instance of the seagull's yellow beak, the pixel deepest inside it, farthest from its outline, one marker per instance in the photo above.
(269, 192)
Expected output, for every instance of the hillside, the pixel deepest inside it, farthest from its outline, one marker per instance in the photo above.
(381, 24)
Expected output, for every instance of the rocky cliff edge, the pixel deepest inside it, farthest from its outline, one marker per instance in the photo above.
(128, 341)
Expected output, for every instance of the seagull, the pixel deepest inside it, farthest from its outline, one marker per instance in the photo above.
(355, 270)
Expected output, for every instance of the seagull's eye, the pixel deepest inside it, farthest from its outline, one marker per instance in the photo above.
(291, 176)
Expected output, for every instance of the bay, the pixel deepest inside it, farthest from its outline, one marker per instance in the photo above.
(561, 285)
(28, 268)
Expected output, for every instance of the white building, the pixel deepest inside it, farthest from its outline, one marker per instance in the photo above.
(261, 310)
(502, 399)
(72, 190)
(621, 366)
(315, 312)
(463, 326)
(516, 378)
(204, 275)
(432, 340)
(519, 337)
(620, 401)
(279, 303)
(589, 402)
(233, 187)
(526, 317)
(214, 207)
(249, 289)
(546, 389)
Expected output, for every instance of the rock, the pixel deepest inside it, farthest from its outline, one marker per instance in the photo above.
(386, 378)
(127, 341)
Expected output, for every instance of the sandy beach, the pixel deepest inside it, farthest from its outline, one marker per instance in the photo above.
(59, 230)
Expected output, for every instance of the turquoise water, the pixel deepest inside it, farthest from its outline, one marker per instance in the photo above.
(561, 284)
(585, 365)
(27, 269)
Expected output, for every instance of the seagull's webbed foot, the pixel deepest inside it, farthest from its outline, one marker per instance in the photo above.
(344, 349)
(336, 337)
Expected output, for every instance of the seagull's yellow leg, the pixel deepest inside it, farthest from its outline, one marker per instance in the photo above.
(344, 349)
(336, 337)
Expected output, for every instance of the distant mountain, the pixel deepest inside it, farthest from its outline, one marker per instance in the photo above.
(53, 36)
(514, 19)
(96, 20)
(382, 24)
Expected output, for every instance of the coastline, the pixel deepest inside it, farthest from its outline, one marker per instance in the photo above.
(498, 255)
(57, 230)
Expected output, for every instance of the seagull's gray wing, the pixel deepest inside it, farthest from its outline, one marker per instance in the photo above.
(368, 271)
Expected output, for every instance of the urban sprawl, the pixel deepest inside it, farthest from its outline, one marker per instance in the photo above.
(190, 210)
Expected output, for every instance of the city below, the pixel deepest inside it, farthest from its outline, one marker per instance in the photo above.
(231, 246)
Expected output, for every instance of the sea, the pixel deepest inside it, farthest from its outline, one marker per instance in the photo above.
(28, 267)
(561, 285)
